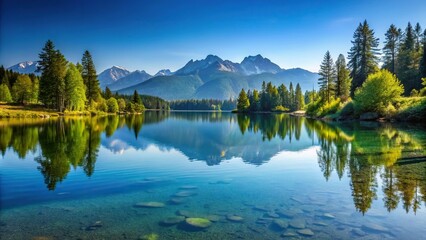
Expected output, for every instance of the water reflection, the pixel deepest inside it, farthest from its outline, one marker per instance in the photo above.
(374, 156)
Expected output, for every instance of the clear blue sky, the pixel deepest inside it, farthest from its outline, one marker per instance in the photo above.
(152, 35)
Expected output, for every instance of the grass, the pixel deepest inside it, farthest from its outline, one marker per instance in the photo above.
(35, 111)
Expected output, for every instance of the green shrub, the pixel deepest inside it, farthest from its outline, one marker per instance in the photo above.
(377, 92)
(415, 111)
(112, 105)
(280, 109)
(347, 110)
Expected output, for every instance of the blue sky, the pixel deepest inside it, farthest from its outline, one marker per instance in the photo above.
(152, 35)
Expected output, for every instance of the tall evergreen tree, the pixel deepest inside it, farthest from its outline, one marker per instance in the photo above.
(299, 99)
(52, 65)
(328, 77)
(90, 77)
(408, 61)
(108, 93)
(255, 102)
(5, 95)
(284, 96)
(422, 67)
(418, 36)
(343, 80)
(136, 98)
(291, 97)
(243, 103)
(390, 50)
(363, 55)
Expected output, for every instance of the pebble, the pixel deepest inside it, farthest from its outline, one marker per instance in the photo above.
(234, 218)
(198, 222)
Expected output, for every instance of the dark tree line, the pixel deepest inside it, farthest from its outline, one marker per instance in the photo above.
(203, 104)
(271, 98)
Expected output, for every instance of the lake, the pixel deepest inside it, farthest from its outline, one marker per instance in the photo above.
(178, 175)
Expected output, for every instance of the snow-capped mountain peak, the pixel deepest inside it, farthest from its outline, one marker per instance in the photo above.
(25, 67)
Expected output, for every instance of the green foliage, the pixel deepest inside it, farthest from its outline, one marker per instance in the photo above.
(136, 99)
(22, 89)
(379, 90)
(348, 109)
(343, 80)
(130, 107)
(5, 95)
(200, 104)
(299, 102)
(112, 105)
(390, 50)
(139, 107)
(415, 110)
(280, 109)
(322, 108)
(121, 104)
(108, 93)
(75, 96)
(102, 105)
(243, 103)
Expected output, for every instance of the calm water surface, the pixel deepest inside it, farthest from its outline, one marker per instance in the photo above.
(252, 177)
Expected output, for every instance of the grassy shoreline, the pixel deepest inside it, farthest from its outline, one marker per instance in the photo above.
(37, 111)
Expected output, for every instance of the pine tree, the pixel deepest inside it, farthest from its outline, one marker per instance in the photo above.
(408, 61)
(418, 36)
(328, 77)
(255, 103)
(22, 89)
(90, 78)
(284, 96)
(243, 103)
(363, 56)
(343, 81)
(299, 99)
(75, 89)
(52, 65)
(422, 66)
(136, 99)
(291, 97)
(390, 50)
(108, 93)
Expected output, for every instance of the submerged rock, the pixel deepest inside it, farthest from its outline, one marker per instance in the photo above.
(198, 222)
(177, 200)
(289, 234)
(213, 218)
(298, 224)
(150, 204)
(272, 215)
(322, 224)
(185, 213)
(151, 236)
(188, 187)
(261, 208)
(234, 218)
(328, 216)
(280, 224)
(94, 226)
(305, 232)
(185, 193)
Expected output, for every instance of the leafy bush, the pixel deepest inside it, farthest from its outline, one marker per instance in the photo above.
(347, 110)
(321, 108)
(415, 111)
(112, 105)
(280, 109)
(377, 92)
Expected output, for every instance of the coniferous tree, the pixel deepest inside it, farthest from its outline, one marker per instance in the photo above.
(299, 99)
(390, 50)
(243, 104)
(292, 96)
(343, 80)
(108, 93)
(136, 99)
(52, 65)
(408, 61)
(22, 89)
(418, 36)
(284, 96)
(422, 67)
(90, 78)
(363, 55)
(255, 103)
(328, 77)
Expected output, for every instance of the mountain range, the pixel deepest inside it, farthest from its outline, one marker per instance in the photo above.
(211, 78)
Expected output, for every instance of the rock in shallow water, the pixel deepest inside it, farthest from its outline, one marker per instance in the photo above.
(234, 218)
(281, 224)
(150, 204)
(185, 193)
(298, 224)
(305, 232)
(198, 222)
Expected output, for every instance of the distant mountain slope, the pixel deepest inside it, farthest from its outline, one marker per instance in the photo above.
(132, 79)
(258, 64)
(26, 67)
(167, 87)
(163, 72)
(111, 75)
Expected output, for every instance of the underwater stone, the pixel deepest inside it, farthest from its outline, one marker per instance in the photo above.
(280, 223)
(150, 204)
(234, 218)
(298, 224)
(188, 187)
(305, 232)
(213, 218)
(185, 194)
(198, 222)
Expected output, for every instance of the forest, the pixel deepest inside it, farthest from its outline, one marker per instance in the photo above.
(360, 88)
(68, 87)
